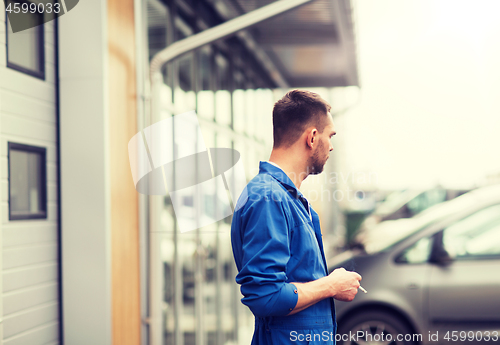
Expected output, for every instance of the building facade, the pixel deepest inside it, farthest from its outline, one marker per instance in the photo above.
(86, 259)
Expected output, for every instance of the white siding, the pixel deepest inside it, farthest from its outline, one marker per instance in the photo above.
(21, 299)
(45, 334)
(29, 280)
(33, 275)
(23, 322)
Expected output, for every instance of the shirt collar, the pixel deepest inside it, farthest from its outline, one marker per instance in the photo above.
(276, 165)
(275, 171)
(279, 174)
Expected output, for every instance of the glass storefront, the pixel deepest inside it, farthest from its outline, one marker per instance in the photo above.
(233, 100)
(201, 301)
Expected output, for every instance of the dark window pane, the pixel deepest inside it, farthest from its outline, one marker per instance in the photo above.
(185, 73)
(25, 50)
(27, 185)
(223, 75)
(205, 68)
(157, 26)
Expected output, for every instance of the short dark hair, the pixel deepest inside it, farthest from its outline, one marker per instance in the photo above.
(297, 110)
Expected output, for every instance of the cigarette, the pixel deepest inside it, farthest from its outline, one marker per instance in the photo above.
(363, 289)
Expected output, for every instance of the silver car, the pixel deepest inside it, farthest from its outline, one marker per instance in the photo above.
(434, 281)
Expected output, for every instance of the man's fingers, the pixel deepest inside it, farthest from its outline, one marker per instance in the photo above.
(358, 277)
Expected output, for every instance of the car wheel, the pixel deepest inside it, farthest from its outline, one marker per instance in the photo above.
(373, 327)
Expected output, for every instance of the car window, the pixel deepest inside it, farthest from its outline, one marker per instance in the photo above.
(425, 200)
(476, 236)
(418, 253)
(395, 201)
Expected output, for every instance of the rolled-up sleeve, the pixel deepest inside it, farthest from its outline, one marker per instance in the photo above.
(265, 254)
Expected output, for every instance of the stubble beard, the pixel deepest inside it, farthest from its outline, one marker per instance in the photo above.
(316, 163)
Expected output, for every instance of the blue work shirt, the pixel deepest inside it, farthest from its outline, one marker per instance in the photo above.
(276, 241)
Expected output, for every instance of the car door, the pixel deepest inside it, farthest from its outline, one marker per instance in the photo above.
(464, 293)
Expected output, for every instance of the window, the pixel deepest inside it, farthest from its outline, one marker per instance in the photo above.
(418, 253)
(157, 26)
(476, 236)
(25, 49)
(186, 72)
(27, 182)
(205, 68)
(426, 200)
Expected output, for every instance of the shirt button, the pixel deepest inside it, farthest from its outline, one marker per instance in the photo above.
(290, 309)
(295, 291)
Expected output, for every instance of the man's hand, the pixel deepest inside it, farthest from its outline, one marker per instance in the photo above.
(340, 284)
(344, 284)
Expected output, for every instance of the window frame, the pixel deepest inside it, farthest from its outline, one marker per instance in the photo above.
(43, 152)
(471, 257)
(398, 257)
(41, 47)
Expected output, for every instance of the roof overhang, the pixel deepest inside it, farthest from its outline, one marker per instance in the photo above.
(309, 44)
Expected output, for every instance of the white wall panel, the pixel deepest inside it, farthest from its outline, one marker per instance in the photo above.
(42, 335)
(17, 104)
(25, 234)
(28, 319)
(50, 76)
(26, 85)
(49, 55)
(3, 53)
(22, 277)
(49, 33)
(29, 247)
(85, 188)
(28, 255)
(2, 14)
(19, 300)
(23, 127)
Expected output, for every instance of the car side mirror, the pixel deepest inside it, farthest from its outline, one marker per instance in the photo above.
(439, 255)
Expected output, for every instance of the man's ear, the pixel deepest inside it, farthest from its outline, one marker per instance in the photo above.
(312, 138)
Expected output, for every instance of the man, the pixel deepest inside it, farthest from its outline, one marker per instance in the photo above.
(276, 235)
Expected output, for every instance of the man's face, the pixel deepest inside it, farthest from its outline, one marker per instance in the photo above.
(322, 150)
